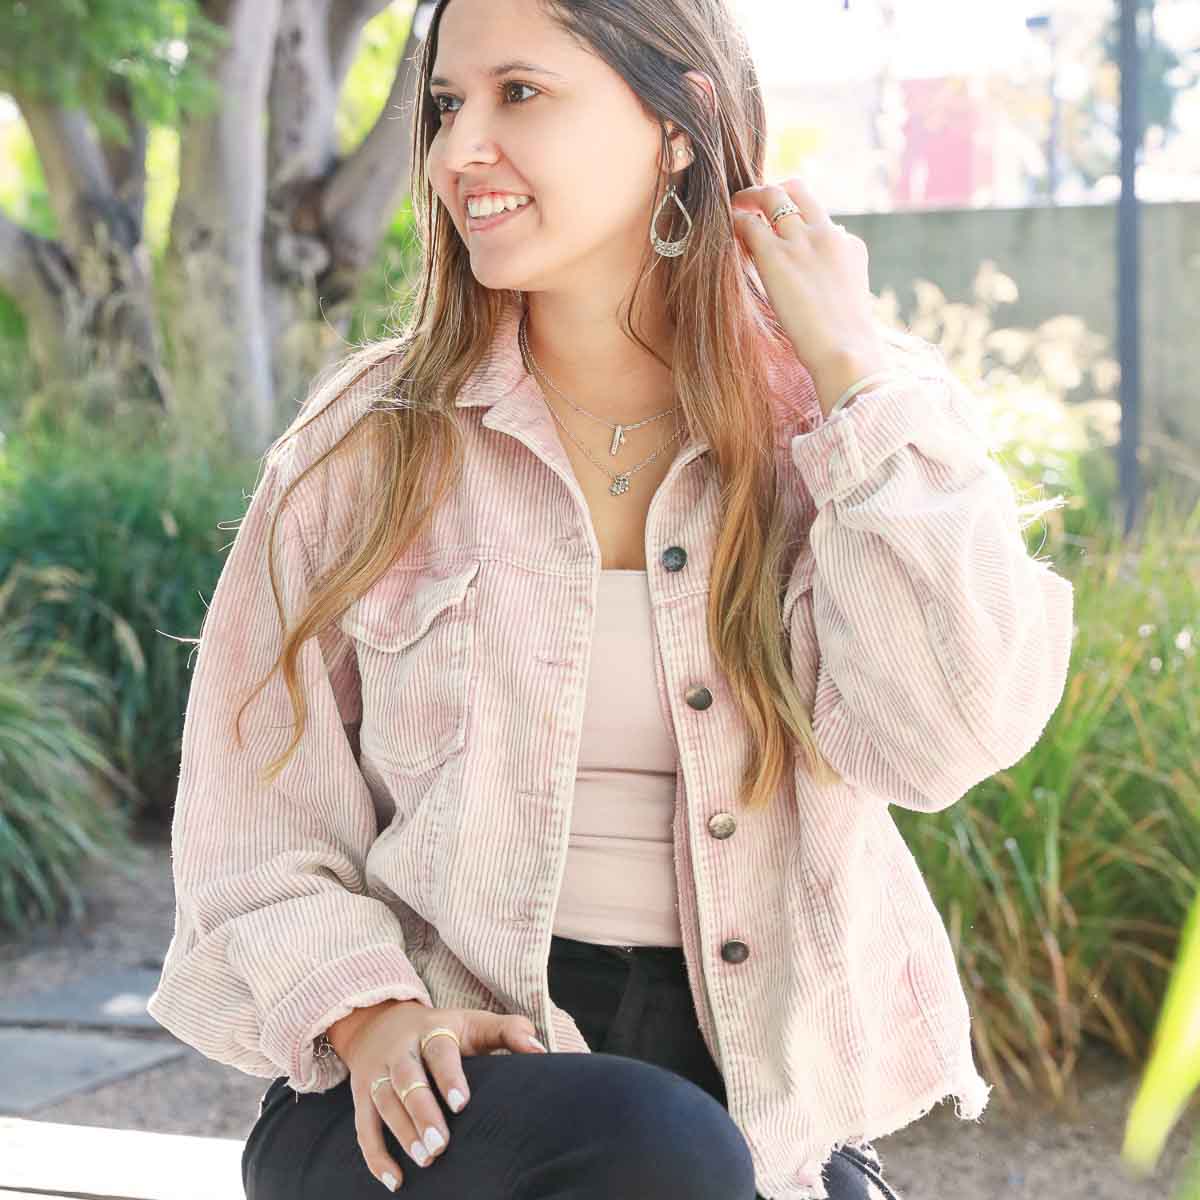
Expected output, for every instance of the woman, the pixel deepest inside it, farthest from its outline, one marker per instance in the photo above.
(597, 620)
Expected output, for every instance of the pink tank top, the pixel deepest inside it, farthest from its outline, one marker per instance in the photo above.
(619, 884)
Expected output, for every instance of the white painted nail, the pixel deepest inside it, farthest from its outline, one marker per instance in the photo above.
(457, 1099)
(433, 1139)
(534, 1042)
(418, 1151)
(389, 1181)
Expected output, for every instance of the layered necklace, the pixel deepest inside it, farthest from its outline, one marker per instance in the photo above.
(620, 482)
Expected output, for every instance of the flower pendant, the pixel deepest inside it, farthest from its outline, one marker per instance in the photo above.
(619, 485)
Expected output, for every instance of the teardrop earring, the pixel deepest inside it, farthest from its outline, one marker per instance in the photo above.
(670, 249)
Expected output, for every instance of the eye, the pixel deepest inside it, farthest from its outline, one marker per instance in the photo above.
(504, 88)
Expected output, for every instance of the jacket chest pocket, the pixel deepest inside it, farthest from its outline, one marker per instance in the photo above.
(414, 635)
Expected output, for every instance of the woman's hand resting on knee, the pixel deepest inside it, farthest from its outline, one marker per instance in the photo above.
(386, 1040)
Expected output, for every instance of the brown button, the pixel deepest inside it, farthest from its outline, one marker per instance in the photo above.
(734, 951)
(698, 697)
(722, 824)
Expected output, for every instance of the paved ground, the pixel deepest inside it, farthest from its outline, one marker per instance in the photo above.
(134, 1075)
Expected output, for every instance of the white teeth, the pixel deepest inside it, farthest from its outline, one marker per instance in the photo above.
(486, 206)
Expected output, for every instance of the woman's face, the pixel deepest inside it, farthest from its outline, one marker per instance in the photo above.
(575, 140)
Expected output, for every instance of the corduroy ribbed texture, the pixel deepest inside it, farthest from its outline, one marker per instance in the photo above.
(415, 845)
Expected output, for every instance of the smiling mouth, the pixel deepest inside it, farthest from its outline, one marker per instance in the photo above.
(479, 224)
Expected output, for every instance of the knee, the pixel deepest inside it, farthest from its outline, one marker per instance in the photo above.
(670, 1138)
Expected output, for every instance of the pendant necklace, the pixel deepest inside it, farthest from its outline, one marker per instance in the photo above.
(620, 482)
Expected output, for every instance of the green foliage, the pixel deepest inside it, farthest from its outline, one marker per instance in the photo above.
(369, 80)
(141, 533)
(80, 53)
(23, 193)
(57, 785)
(1021, 378)
(1164, 76)
(1065, 880)
(1173, 1072)
(388, 288)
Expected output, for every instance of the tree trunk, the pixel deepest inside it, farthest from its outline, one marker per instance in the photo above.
(87, 295)
(271, 234)
(326, 216)
(213, 278)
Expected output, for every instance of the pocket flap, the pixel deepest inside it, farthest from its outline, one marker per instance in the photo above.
(399, 608)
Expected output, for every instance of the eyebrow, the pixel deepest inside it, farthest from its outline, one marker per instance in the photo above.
(502, 69)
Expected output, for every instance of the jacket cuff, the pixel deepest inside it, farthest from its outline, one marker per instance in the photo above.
(935, 413)
(378, 973)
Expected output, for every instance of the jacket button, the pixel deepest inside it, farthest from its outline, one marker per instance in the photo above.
(698, 697)
(674, 558)
(734, 951)
(722, 824)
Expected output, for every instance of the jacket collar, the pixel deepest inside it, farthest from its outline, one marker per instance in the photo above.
(501, 382)
(502, 369)
(513, 395)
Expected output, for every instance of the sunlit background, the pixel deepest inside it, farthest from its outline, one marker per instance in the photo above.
(906, 104)
(895, 104)
(166, 303)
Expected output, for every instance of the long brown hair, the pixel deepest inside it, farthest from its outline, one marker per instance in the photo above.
(722, 317)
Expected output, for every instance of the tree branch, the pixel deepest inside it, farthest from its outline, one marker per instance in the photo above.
(302, 102)
(30, 264)
(96, 279)
(77, 176)
(39, 276)
(127, 164)
(364, 189)
(345, 23)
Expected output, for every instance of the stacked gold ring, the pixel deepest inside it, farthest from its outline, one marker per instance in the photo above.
(782, 211)
(440, 1031)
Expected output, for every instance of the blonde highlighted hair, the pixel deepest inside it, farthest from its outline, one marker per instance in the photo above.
(722, 317)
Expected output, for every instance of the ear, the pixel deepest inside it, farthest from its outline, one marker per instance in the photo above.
(679, 140)
(704, 84)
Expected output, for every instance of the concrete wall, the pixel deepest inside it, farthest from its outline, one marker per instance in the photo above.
(1063, 260)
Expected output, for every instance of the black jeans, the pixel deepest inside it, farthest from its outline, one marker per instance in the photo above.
(642, 1115)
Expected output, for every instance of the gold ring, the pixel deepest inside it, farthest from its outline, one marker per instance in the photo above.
(783, 210)
(412, 1086)
(440, 1031)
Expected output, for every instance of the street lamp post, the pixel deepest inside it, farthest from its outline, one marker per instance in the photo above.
(1129, 266)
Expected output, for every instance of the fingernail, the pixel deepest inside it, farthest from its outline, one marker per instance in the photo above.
(457, 1099)
(418, 1151)
(434, 1140)
(389, 1181)
(534, 1042)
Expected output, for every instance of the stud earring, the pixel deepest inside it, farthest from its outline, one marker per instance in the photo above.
(676, 248)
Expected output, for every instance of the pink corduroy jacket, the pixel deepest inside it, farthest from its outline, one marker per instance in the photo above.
(414, 846)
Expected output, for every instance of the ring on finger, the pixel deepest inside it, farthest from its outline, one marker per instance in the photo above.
(420, 1083)
(440, 1031)
(782, 211)
(402, 1092)
(378, 1083)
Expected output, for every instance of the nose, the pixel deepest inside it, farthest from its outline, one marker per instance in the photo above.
(465, 141)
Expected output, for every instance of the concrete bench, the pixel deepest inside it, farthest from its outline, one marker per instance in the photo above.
(43, 1160)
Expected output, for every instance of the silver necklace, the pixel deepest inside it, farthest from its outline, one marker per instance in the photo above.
(618, 430)
(620, 482)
